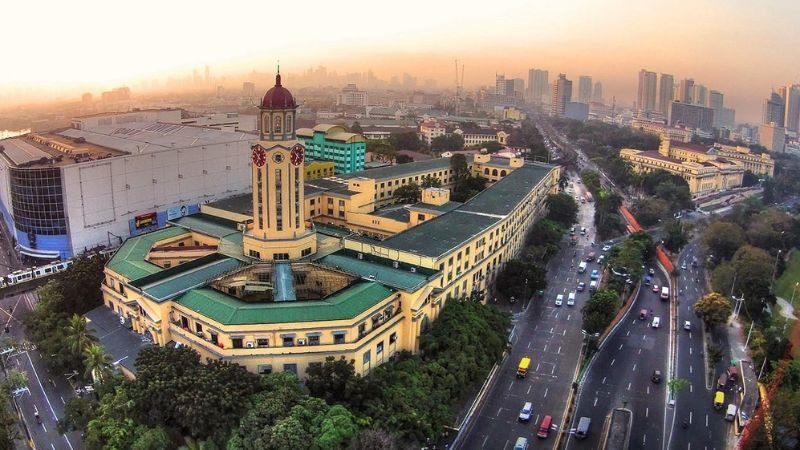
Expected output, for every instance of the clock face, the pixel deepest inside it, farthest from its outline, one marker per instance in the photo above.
(297, 155)
(277, 157)
(259, 156)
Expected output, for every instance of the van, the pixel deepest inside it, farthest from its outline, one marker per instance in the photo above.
(722, 381)
(583, 428)
(544, 427)
(521, 444)
(664, 293)
(582, 267)
(526, 412)
(719, 400)
(656, 322)
(730, 414)
(593, 286)
(522, 369)
(571, 299)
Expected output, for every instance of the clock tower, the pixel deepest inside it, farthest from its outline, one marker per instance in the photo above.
(279, 229)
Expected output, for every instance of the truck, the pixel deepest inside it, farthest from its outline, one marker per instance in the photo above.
(522, 369)
(582, 267)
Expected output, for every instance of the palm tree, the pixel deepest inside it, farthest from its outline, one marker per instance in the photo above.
(97, 362)
(78, 336)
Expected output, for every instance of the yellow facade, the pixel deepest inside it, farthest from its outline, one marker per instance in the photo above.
(319, 169)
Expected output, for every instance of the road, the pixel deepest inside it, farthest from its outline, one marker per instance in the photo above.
(621, 375)
(707, 429)
(551, 336)
(47, 392)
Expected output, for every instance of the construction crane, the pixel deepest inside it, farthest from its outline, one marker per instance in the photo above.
(459, 86)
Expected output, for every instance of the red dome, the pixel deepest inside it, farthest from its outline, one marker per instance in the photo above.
(278, 97)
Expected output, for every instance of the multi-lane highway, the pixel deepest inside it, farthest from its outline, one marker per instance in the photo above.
(621, 374)
(551, 336)
(707, 429)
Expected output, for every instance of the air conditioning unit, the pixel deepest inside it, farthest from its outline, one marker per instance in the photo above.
(413, 270)
(250, 345)
(301, 341)
(395, 264)
(199, 333)
(360, 256)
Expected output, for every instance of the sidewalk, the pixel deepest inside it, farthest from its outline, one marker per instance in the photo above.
(740, 356)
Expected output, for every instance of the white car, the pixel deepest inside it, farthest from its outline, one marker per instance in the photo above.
(606, 248)
(571, 299)
(559, 299)
(687, 326)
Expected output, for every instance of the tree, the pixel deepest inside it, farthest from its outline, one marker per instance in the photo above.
(676, 385)
(753, 268)
(372, 440)
(334, 381)
(562, 208)
(446, 143)
(78, 337)
(382, 150)
(520, 279)
(356, 128)
(405, 141)
(722, 239)
(78, 285)
(749, 179)
(407, 193)
(650, 211)
(714, 308)
(591, 179)
(97, 363)
(676, 237)
(600, 310)
(458, 163)
(431, 181)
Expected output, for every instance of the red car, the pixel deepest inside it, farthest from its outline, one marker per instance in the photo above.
(655, 288)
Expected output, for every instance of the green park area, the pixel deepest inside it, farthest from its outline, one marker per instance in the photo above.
(787, 281)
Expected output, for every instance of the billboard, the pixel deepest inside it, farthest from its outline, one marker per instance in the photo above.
(177, 212)
(145, 220)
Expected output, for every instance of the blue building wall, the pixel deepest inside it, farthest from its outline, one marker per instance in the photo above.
(60, 243)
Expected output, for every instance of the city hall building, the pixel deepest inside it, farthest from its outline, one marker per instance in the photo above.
(296, 271)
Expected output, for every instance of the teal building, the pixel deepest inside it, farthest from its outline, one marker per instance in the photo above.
(335, 143)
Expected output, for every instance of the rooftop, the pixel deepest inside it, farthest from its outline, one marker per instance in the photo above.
(399, 213)
(129, 260)
(442, 234)
(242, 204)
(401, 170)
(209, 225)
(345, 304)
(169, 283)
(399, 278)
(449, 206)
(48, 150)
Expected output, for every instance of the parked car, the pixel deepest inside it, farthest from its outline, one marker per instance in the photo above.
(595, 274)
(606, 248)
(559, 299)
(571, 299)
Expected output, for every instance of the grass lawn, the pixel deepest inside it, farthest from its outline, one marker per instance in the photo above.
(784, 285)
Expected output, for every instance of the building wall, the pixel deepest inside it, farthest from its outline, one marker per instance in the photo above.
(348, 156)
(319, 169)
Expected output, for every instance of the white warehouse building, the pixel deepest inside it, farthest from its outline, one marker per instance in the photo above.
(111, 176)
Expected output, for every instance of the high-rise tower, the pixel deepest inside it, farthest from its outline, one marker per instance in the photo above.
(279, 230)
(666, 92)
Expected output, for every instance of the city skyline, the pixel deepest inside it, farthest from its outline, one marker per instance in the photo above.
(740, 57)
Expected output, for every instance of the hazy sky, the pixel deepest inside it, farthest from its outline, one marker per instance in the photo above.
(742, 48)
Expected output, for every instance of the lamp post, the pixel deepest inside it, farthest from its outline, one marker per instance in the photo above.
(775, 269)
(794, 290)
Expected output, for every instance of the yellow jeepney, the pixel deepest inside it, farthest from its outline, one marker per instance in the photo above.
(522, 369)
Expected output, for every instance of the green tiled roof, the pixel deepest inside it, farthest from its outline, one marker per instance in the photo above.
(401, 279)
(346, 304)
(181, 281)
(206, 224)
(502, 197)
(129, 260)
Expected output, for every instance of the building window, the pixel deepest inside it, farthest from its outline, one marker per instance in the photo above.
(198, 328)
(366, 357)
(306, 252)
(379, 348)
(262, 342)
(290, 368)
(313, 340)
(264, 369)
(254, 254)
(277, 124)
(339, 338)
(288, 341)
(421, 217)
(237, 342)
(214, 338)
(362, 329)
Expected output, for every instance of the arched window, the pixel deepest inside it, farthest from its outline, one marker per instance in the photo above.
(486, 171)
(494, 172)
(277, 124)
(288, 123)
(502, 173)
(265, 125)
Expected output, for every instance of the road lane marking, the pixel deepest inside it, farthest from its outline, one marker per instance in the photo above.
(568, 316)
(628, 333)
(634, 367)
(595, 401)
(545, 392)
(484, 441)
(52, 446)
(499, 410)
(644, 439)
(690, 388)
(690, 350)
(62, 400)
(706, 420)
(604, 381)
(690, 369)
(640, 351)
(690, 417)
(537, 366)
(510, 384)
(565, 332)
(551, 330)
(529, 390)
(529, 345)
(648, 390)
(647, 412)
(620, 346)
(554, 370)
(559, 350)
(613, 360)
(545, 348)
(629, 386)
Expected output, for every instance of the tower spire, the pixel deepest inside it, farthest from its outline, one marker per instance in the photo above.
(278, 75)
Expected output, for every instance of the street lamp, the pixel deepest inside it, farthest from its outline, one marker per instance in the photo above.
(794, 290)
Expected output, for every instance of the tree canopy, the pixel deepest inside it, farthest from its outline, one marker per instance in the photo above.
(600, 310)
(714, 308)
(448, 142)
(562, 208)
(407, 193)
(519, 278)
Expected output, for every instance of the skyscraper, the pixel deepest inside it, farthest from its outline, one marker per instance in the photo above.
(666, 92)
(597, 94)
(584, 89)
(646, 98)
(560, 95)
(773, 110)
(538, 85)
(700, 95)
(691, 116)
(517, 87)
(715, 100)
(686, 91)
(792, 110)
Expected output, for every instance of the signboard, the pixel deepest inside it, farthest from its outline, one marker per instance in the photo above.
(177, 212)
(145, 220)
